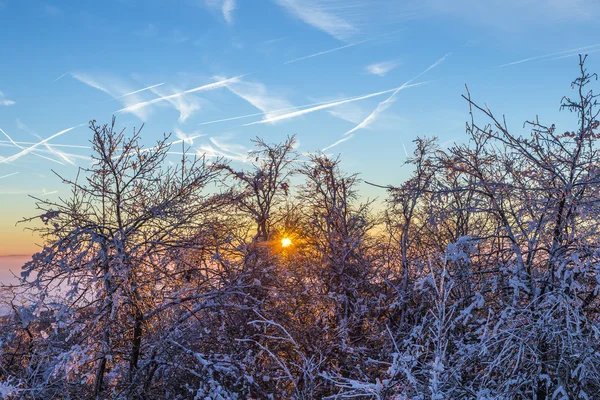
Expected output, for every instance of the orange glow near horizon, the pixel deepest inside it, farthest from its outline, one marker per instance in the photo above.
(286, 242)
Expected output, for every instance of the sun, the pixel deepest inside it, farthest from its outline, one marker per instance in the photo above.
(286, 242)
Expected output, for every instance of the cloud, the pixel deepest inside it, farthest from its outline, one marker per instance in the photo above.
(328, 105)
(381, 68)
(321, 15)
(345, 20)
(185, 105)
(257, 95)
(122, 91)
(4, 101)
(226, 7)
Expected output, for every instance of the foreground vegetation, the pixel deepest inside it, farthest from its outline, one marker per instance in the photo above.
(479, 279)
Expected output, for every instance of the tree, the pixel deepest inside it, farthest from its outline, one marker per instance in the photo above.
(478, 278)
(263, 188)
(111, 261)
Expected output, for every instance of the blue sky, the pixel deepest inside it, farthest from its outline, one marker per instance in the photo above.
(217, 73)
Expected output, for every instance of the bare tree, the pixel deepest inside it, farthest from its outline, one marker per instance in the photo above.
(478, 278)
(111, 250)
(263, 188)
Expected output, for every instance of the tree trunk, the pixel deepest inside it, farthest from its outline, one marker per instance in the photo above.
(135, 345)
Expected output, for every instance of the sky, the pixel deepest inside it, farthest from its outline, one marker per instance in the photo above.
(358, 79)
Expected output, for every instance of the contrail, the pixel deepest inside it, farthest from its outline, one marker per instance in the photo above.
(342, 140)
(382, 106)
(238, 117)
(56, 152)
(387, 102)
(31, 148)
(134, 92)
(547, 55)
(328, 105)
(223, 83)
(227, 149)
(53, 145)
(574, 54)
(208, 150)
(137, 91)
(203, 88)
(341, 47)
(6, 176)
(12, 142)
(327, 51)
(39, 152)
(60, 77)
(47, 145)
(173, 142)
(273, 111)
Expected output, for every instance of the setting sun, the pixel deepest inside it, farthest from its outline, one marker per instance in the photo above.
(286, 242)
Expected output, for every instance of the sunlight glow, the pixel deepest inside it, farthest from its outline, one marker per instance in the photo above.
(286, 242)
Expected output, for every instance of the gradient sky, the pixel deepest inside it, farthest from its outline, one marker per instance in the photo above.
(217, 73)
